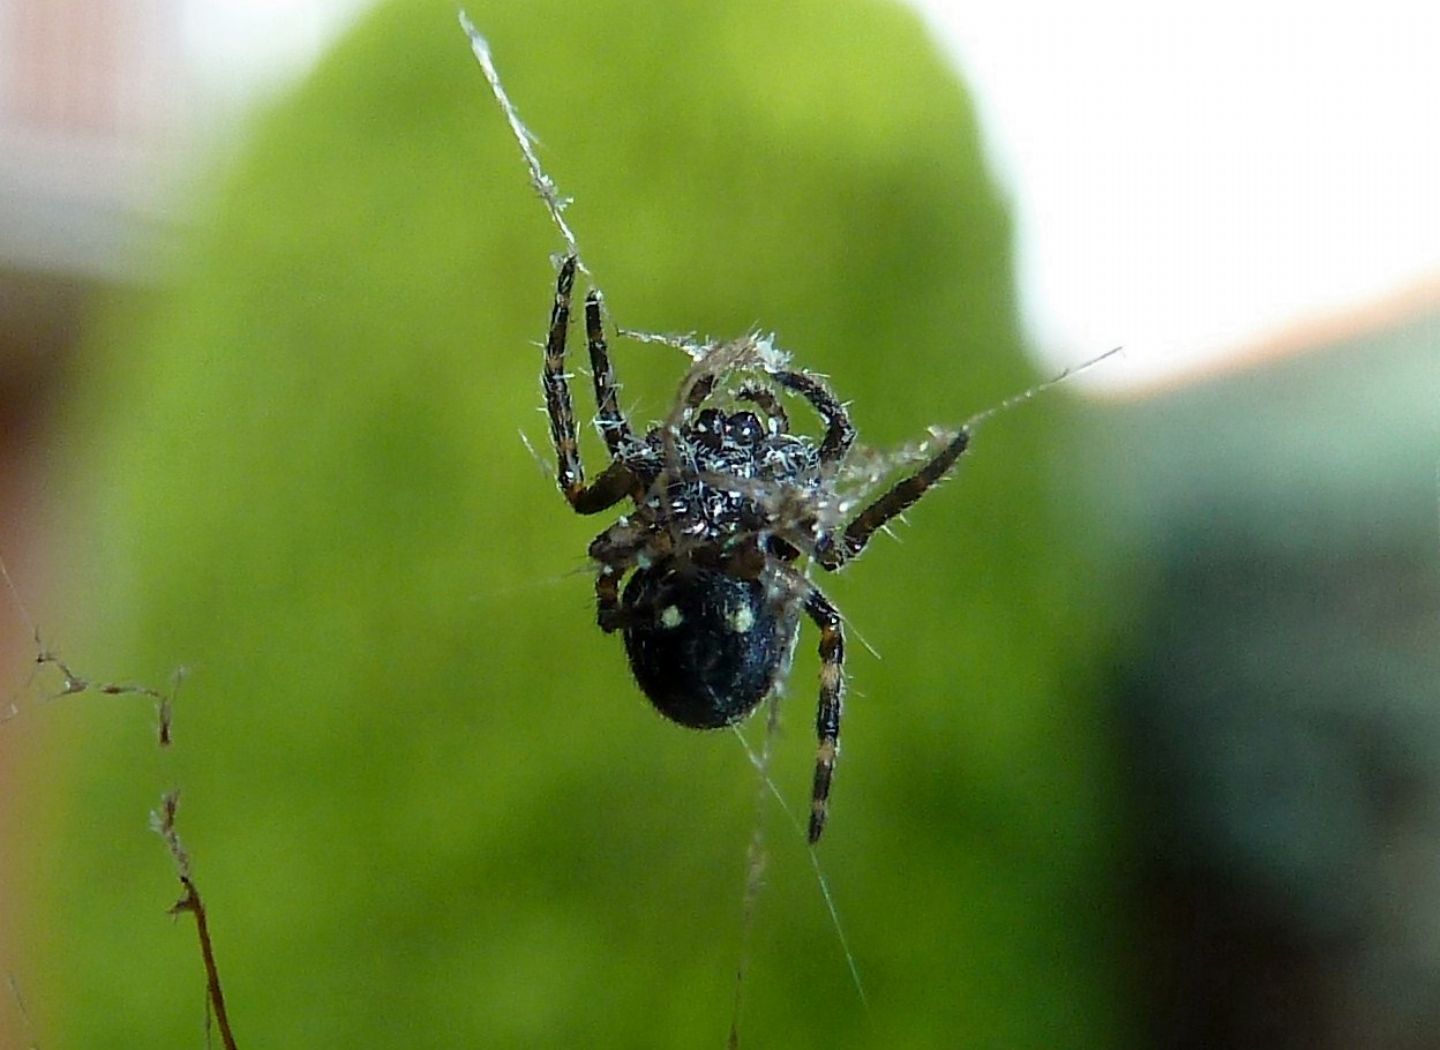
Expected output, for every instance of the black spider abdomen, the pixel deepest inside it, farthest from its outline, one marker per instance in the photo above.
(705, 647)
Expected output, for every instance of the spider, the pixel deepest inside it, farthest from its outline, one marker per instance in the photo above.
(725, 506)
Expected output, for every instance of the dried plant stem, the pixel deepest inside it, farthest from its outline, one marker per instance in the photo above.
(191, 902)
(163, 823)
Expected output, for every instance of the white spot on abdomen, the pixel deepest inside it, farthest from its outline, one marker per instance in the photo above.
(740, 620)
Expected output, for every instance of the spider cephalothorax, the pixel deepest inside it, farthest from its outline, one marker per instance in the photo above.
(726, 506)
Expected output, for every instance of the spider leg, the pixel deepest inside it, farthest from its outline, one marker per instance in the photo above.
(832, 697)
(839, 431)
(768, 403)
(617, 550)
(607, 594)
(836, 548)
(613, 425)
(616, 482)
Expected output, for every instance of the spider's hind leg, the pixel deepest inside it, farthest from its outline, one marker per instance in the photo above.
(832, 698)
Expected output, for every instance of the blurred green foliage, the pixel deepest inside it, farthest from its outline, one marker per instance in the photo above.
(426, 805)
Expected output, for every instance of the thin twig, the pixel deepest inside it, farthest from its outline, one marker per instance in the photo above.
(163, 823)
(31, 1042)
(72, 683)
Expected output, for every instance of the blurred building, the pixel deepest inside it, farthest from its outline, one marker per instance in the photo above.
(89, 106)
(105, 105)
(1281, 705)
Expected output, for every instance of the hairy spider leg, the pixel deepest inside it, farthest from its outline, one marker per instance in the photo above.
(832, 699)
(836, 548)
(616, 550)
(703, 388)
(613, 425)
(839, 431)
(766, 401)
(616, 482)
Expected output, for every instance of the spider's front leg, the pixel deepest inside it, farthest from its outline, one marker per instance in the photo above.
(836, 548)
(616, 481)
(613, 425)
(839, 431)
(766, 401)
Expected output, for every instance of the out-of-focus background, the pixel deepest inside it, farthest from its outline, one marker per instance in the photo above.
(1150, 757)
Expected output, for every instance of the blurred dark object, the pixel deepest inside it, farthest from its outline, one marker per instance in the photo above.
(1282, 708)
(86, 114)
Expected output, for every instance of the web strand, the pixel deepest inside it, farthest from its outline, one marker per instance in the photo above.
(544, 185)
(760, 765)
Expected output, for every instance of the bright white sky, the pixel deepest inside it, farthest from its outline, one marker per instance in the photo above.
(1191, 178)
(1188, 179)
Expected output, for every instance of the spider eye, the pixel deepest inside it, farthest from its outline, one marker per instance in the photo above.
(709, 428)
(745, 428)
